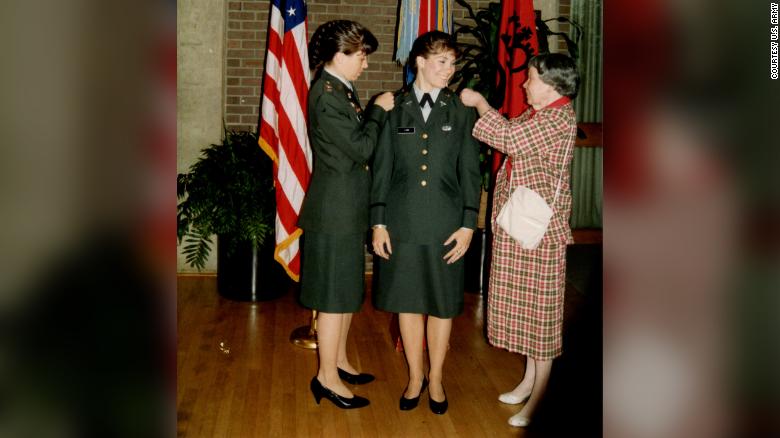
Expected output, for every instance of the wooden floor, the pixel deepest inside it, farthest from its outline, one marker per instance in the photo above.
(239, 376)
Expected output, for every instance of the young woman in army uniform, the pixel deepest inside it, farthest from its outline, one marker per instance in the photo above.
(424, 203)
(334, 215)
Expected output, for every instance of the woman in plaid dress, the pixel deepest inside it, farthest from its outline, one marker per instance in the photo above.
(525, 300)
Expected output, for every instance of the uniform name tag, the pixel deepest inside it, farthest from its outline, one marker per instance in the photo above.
(446, 128)
(409, 130)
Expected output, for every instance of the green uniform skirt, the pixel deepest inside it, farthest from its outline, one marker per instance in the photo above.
(417, 279)
(332, 272)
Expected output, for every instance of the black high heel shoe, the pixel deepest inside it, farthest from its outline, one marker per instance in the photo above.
(407, 404)
(319, 391)
(438, 407)
(355, 379)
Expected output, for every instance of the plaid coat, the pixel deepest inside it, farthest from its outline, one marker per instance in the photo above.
(525, 300)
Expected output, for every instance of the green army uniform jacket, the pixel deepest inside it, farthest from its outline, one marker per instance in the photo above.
(426, 173)
(343, 139)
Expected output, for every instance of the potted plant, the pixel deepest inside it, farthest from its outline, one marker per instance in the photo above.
(229, 192)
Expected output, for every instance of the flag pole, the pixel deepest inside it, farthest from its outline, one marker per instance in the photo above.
(306, 336)
(287, 22)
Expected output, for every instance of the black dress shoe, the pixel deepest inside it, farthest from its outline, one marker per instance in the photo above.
(407, 404)
(320, 391)
(355, 379)
(438, 407)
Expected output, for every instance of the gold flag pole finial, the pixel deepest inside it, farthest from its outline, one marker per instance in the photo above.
(306, 336)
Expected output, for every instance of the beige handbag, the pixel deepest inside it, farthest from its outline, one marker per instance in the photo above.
(526, 215)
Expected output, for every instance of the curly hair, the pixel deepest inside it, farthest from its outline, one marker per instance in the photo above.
(559, 71)
(337, 36)
(431, 43)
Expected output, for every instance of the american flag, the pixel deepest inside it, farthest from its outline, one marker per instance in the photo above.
(283, 133)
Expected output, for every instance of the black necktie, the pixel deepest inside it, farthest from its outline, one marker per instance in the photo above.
(426, 99)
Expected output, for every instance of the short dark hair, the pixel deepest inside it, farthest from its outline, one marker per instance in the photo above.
(337, 36)
(559, 71)
(431, 43)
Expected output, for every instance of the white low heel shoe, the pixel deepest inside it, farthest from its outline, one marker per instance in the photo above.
(518, 420)
(512, 399)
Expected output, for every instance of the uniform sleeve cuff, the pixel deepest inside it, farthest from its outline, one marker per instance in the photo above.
(378, 214)
(469, 219)
(376, 113)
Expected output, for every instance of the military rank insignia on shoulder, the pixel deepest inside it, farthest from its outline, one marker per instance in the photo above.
(400, 93)
(328, 87)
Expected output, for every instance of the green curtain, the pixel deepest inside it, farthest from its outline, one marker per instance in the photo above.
(586, 172)
(586, 187)
(588, 103)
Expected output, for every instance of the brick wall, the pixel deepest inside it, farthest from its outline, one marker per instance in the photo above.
(247, 23)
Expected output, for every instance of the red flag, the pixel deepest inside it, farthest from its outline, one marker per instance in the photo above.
(283, 134)
(516, 46)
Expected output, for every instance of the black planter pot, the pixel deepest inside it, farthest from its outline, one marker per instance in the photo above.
(249, 274)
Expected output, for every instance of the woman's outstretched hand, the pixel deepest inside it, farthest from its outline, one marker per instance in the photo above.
(386, 101)
(470, 97)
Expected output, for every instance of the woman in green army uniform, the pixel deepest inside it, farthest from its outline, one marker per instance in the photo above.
(334, 215)
(424, 204)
